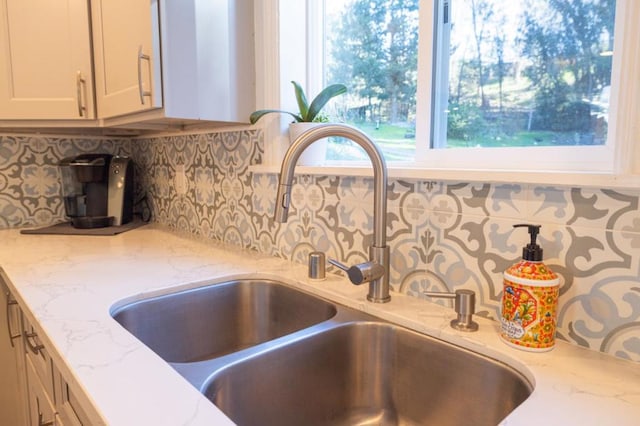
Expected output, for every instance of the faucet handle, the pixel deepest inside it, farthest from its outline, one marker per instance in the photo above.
(362, 272)
(465, 306)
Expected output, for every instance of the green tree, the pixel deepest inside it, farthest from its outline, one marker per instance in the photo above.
(499, 41)
(402, 58)
(375, 54)
(481, 16)
(356, 52)
(564, 40)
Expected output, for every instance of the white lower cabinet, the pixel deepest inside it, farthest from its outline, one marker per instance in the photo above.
(13, 386)
(70, 411)
(42, 411)
(60, 408)
(33, 390)
(38, 358)
(41, 408)
(51, 400)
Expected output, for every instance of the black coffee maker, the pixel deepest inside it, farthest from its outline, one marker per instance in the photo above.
(97, 190)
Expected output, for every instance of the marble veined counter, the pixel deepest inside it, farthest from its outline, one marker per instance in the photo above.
(68, 284)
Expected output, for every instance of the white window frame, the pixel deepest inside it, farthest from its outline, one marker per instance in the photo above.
(285, 34)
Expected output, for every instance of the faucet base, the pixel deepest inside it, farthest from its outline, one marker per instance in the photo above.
(378, 299)
(379, 288)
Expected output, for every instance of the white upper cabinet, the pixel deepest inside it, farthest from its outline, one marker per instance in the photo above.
(126, 55)
(157, 64)
(45, 60)
(178, 63)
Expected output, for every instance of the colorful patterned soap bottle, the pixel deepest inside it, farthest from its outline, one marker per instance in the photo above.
(530, 300)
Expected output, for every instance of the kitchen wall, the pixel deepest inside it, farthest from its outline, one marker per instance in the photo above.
(443, 235)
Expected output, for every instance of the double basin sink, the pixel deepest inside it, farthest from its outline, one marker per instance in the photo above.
(268, 354)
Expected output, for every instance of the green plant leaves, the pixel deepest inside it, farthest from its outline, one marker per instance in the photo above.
(257, 115)
(303, 105)
(321, 100)
(308, 113)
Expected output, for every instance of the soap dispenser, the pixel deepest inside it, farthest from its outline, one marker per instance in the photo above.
(530, 300)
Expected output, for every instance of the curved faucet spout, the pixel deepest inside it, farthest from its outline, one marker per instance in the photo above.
(379, 251)
(372, 150)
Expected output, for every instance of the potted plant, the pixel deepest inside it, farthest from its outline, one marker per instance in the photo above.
(308, 116)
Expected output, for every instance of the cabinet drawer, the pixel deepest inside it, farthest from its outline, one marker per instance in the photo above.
(70, 411)
(39, 357)
(41, 409)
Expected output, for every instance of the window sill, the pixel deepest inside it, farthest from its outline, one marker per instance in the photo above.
(603, 180)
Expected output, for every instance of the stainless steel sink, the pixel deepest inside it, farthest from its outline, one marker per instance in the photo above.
(367, 373)
(215, 320)
(267, 354)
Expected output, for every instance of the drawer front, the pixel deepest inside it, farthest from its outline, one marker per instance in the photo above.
(39, 357)
(69, 409)
(41, 409)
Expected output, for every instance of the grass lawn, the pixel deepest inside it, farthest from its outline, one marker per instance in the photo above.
(539, 138)
(390, 138)
(396, 147)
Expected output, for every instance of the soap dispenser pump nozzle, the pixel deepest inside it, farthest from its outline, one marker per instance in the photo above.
(532, 251)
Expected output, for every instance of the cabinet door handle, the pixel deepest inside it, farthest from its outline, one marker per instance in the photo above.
(142, 57)
(79, 92)
(10, 303)
(35, 346)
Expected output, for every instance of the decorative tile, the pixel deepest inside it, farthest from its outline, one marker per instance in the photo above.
(549, 205)
(30, 180)
(443, 236)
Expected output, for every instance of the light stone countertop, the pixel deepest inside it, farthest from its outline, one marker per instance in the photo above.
(68, 284)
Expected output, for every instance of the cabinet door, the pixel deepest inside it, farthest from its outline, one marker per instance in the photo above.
(127, 56)
(69, 409)
(42, 411)
(13, 395)
(45, 60)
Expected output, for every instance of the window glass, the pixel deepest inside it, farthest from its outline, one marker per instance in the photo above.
(506, 73)
(525, 72)
(372, 47)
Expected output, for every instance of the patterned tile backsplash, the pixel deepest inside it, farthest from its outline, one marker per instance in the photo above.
(443, 235)
(30, 186)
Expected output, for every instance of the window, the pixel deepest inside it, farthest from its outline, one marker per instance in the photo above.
(372, 47)
(474, 84)
(523, 72)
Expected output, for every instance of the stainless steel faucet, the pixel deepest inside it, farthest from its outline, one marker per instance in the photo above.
(376, 271)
